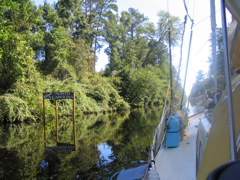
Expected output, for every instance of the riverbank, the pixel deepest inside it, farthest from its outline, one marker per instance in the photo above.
(25, 102)
(95, 94)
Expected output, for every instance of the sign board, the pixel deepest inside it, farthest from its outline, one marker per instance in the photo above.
(61, 149)
(58, 95)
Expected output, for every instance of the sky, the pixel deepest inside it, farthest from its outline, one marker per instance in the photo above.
(199, 10)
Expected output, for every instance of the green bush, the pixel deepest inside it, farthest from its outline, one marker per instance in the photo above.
(143, 86)
(14, 108)
(94, 95)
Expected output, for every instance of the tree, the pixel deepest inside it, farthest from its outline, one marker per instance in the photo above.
(96, 12)
(18, 26)
(160, 36)
(125, 36)
(145, 86)
(72, 18)
(200, 76)
(138, 42)
(219, 61)
(66, 44)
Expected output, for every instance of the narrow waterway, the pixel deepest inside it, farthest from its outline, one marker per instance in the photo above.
(105, 144)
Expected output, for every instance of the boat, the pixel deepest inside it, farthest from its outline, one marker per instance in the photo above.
(223, 139)
(210, 148)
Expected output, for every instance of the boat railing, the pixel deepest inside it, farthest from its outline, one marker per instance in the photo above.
(157, 143)
(160, 132)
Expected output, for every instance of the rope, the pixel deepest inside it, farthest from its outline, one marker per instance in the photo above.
(170, 58)
(181, 47)
(200, 49)
(186, 70)
(196, 114)
(204, 19)
(171, 79)
(189, 49)
(184, 2)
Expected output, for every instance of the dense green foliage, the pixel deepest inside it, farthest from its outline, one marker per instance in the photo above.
(53, 48)
(138, 54)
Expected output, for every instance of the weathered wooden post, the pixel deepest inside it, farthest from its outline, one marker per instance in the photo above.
(44, 122)
(56, 112)
(74, 123)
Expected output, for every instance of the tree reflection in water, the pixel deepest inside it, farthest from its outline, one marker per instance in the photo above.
(105, 145)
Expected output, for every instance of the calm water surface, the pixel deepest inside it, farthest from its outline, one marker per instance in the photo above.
(105, 144)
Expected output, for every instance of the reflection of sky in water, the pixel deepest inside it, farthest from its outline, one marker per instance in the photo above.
(105, 152)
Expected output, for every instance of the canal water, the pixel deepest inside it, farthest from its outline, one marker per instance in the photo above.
(105, 145)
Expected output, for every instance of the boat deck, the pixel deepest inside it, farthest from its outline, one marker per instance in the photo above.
(180, 163)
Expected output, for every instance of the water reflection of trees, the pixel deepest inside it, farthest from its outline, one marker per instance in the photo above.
(91, 131)
(21, 151)
(22, 146)
(136, 136)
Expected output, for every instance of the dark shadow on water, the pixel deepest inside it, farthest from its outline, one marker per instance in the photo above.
(105, 144)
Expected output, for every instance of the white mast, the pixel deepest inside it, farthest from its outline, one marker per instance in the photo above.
(213, 37)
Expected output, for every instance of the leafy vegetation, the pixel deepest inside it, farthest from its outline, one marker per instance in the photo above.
(53, 48)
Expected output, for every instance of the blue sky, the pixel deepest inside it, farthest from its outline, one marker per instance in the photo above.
(199, 10)
(38, 2)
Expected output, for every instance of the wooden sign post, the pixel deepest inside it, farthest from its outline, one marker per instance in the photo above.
(56, 113)
(74, 120)
(55, 96)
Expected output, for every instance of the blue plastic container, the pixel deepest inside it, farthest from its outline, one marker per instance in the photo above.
(173, 124)
(173, 132)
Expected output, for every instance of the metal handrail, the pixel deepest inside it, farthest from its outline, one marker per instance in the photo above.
(159, 135)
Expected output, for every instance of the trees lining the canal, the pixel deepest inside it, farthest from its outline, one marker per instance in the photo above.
(53, 48)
